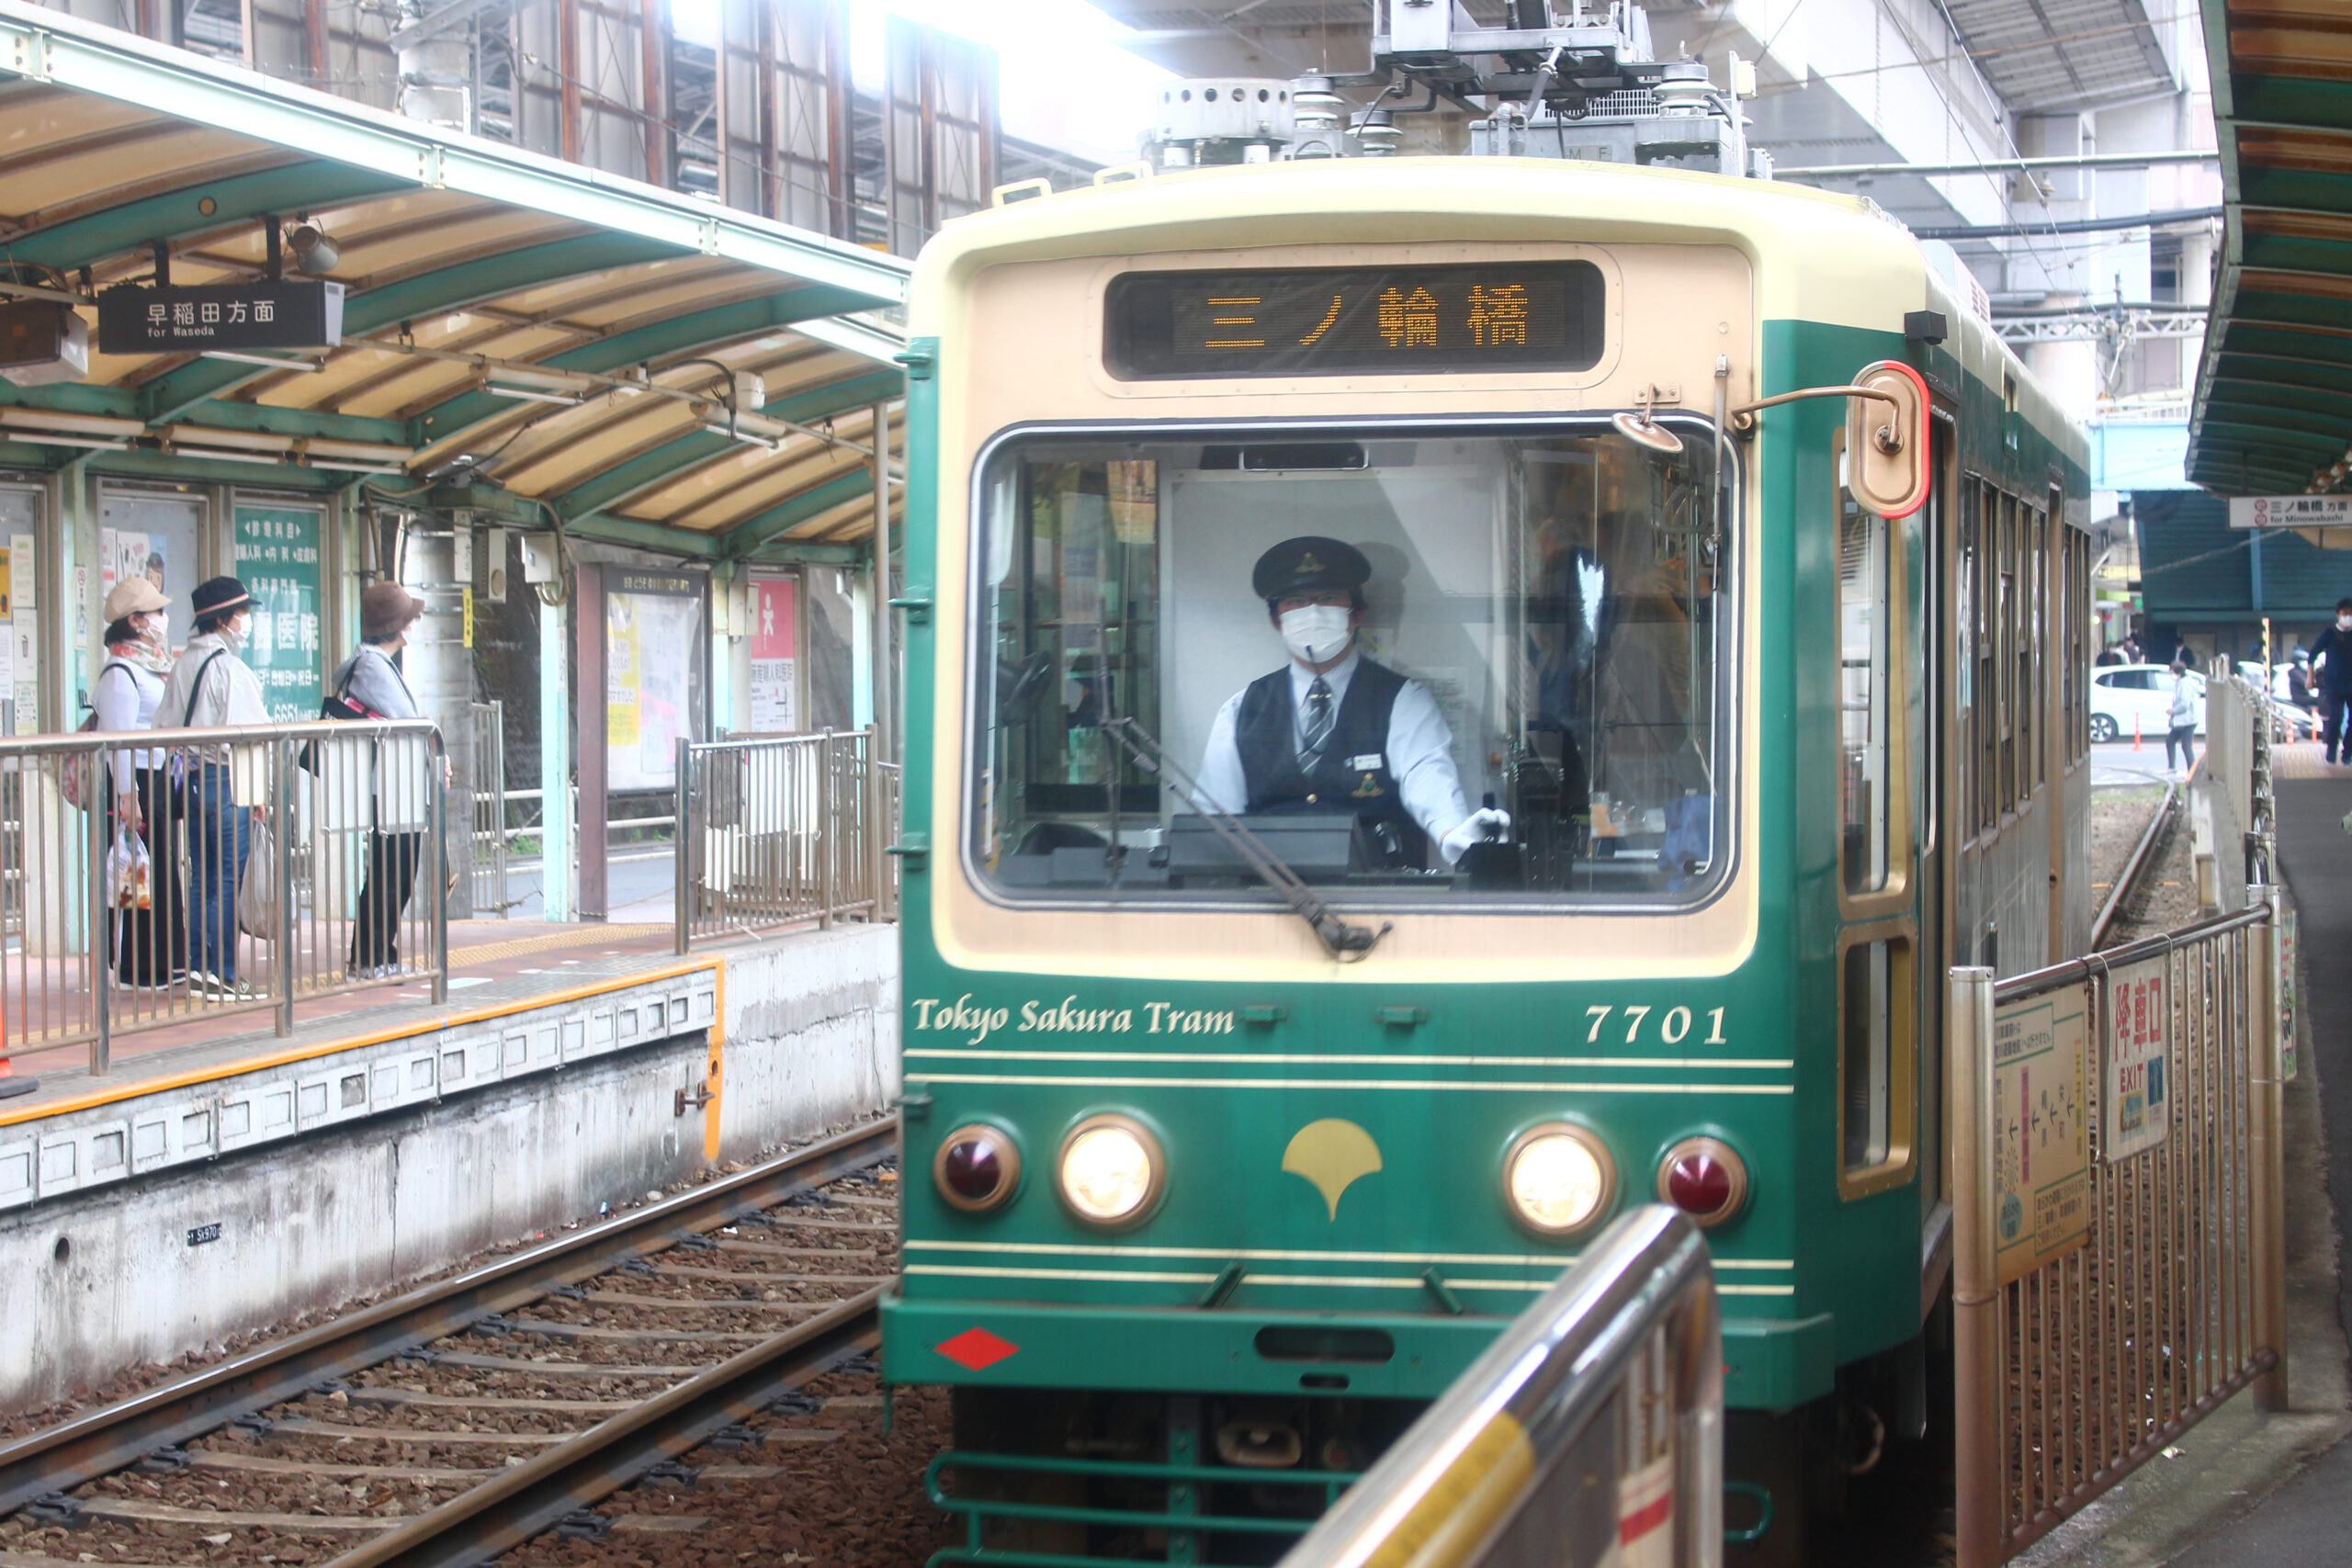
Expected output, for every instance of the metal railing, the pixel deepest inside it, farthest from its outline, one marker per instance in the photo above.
(491, 837)
(1591, 1427)
(2120, 1272)
(160, 910)
(780, 832)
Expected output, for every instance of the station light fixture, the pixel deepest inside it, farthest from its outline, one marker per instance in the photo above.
(1558, 1178)
(978, 1168)
(528, 385)
(1705, 1179)
(1111, 1172)
(97, 433)
(751, 428)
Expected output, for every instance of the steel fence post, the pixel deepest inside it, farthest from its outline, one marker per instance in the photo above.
(680, 886)
(825, 836)
(436, 764)
(281, 872)
(1977, 1370)
(99, 789)
(2267, 1179)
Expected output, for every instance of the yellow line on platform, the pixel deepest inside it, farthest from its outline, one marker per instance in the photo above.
(570, 936)
(312, 1053)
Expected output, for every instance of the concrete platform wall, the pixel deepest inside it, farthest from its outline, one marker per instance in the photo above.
(93, 1282)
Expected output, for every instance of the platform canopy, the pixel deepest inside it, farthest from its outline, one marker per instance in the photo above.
(2273, 410)
(539, 339)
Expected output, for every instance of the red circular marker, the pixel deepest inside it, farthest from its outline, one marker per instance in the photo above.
(1699, 1184)
(972, 1168)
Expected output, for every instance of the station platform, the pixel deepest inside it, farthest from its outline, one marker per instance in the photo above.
(2242, 1489)
(221, 1177)
(481, 952)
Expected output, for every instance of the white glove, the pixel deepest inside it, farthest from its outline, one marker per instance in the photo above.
(1475, 828)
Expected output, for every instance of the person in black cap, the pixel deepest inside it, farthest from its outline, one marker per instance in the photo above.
(1334, 731)
(211, 687)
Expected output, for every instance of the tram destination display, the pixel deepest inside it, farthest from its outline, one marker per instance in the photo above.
(1378, 321)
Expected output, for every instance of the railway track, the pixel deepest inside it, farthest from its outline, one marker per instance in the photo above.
(445, 1426)
(2123, 906)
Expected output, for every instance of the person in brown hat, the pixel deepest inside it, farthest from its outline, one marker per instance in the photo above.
(371, 682)
(145, 934)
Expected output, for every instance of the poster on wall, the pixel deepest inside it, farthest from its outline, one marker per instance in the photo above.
(774, 655)
(24, 634)
(654, 647)
(277, 560)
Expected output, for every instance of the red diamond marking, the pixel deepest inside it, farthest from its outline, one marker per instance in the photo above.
(977, 1349)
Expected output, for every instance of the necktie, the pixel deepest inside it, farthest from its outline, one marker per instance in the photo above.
(1318, 727)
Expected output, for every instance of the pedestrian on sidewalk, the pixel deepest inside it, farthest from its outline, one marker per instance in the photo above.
(2182, 718)
(2331, 652)
(148, 943)
(371, 682)
(212, 688)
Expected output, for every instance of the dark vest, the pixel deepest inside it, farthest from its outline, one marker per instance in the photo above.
(1266, 734)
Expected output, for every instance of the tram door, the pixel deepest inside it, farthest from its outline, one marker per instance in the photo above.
(1927, 620)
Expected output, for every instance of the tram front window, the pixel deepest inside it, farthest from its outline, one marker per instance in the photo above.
(1468, 665)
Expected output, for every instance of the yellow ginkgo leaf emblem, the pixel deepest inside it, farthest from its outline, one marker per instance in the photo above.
(1331, 1154)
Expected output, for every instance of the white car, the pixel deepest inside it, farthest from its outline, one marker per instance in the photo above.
(2120, 693)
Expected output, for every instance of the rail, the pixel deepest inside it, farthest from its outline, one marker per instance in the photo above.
(1592, 1427)
(780, 832)
(2122, 1272)
(2143, 857)
(118, 1435)
(146, 906)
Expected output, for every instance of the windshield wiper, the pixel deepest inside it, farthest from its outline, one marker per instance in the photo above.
(1346, 941)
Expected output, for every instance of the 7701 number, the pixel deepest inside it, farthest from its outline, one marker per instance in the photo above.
(1672, 1028)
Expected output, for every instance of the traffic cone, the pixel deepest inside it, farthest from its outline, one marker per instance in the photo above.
(11, 1085)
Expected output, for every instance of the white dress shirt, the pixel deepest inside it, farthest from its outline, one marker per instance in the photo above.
(125, 698)
(1419, 749)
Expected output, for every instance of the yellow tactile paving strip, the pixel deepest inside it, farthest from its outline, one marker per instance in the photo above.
(569, 936)
(2302, 760)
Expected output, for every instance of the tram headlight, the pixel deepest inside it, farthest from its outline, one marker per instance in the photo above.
(978, 1168)
(1705, 1179)
(1558, 1178)
(1110, 1171)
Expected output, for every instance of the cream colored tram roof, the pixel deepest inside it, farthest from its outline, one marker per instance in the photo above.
(459, 257)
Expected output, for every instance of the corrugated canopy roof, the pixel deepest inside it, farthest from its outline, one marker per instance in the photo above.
(2048, 56)
(566, 333)
(2273, 412)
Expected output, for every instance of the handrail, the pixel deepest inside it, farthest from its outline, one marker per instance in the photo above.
(168, 915)
(1641, 1300)
(2075, 971)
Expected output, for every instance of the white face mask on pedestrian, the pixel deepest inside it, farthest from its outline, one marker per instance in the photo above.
(1316, 634)
(2344, 622)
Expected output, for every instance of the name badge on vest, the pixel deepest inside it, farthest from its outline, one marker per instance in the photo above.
(1366, 763)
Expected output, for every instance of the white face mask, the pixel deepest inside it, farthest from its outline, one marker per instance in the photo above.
(2344, 622)
(1317, 633)
(159, 629)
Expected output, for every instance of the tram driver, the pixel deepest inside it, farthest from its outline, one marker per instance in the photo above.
(1332, 731)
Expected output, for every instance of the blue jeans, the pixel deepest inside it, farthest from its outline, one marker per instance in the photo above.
(2331, 712)
(218, 834)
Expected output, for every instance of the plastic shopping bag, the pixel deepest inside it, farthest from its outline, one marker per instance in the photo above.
(257, 887)
(130, 872)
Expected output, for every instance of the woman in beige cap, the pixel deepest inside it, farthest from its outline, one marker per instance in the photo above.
(149, 947)
(371, 681)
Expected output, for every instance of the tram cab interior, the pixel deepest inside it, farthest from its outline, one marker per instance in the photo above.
(1559, 590)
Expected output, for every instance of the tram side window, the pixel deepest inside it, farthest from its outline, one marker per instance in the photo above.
(1865, 575)
(1523, 622)
(1874, 1075)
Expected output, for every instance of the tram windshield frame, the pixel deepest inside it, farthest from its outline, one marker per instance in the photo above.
(1563, 601)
